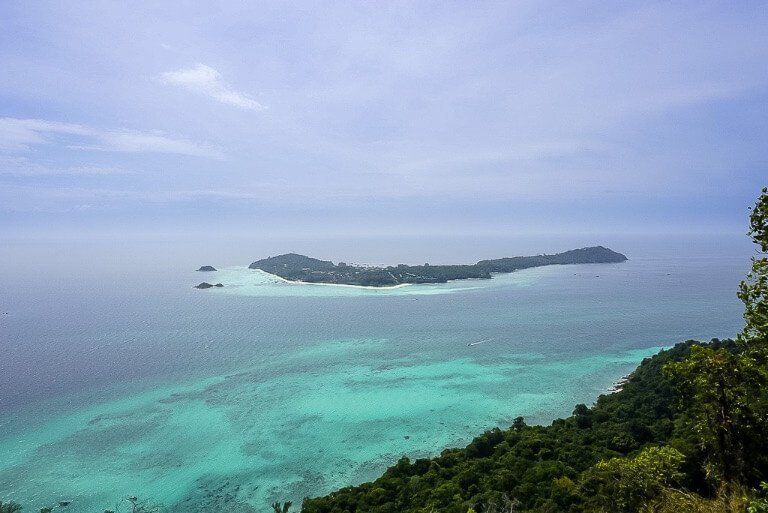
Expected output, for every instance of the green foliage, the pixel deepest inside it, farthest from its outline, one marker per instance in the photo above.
(623, 485)
(681, 501)
(754, 290)
(754, 293)
(711, 381)
(758, 221)
(759, 504)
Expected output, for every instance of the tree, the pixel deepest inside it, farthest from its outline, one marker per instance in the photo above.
(680, 501)
(754, 290)
(754, 338)
(625, 484)
(711, 382)
(759, 504)
(724, 390)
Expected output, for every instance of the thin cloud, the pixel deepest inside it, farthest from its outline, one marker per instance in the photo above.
(21, 134)
(143, 142)
(21, 166)
(207, 81)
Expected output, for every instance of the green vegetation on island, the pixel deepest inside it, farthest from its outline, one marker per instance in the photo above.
(301, 268)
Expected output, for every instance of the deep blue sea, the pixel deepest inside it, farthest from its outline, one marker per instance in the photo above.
(117, 378)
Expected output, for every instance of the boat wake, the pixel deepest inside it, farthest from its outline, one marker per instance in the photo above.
(483, 341)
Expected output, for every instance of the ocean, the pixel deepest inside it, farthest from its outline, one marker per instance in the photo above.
(118, 379)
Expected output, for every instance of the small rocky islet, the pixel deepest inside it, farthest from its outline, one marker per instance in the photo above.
(206, 285)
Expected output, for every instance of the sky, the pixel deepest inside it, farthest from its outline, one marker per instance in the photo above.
(367, 118)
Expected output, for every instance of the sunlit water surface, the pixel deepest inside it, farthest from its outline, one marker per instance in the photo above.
(121, 379)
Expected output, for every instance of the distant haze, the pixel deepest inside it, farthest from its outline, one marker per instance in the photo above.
(298, 121)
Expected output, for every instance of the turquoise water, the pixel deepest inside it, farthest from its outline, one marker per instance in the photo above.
(123, 380)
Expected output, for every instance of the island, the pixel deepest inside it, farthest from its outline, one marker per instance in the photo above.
(299, 268)
(206, 285)
(207, 268)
